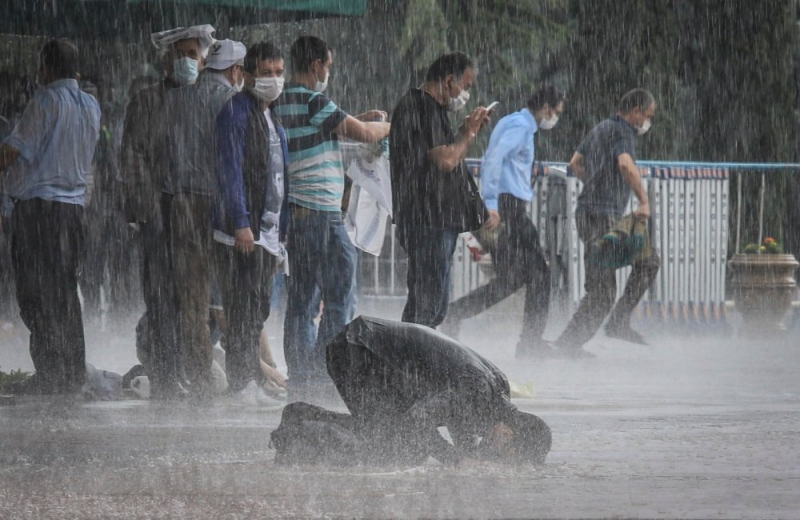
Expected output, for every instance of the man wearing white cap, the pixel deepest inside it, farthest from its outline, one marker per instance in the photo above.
(148, 200)
(187, 141)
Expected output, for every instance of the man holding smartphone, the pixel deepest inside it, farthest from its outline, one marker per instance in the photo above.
(434, 196)
(507, 191)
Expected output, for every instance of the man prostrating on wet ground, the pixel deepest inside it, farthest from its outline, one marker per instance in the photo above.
(401, 382)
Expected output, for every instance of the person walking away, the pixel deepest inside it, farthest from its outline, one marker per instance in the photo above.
(47, 158)
(187, 140)
(147, 200)
(606, 163)
(320, 251)
(251, 162)
(434, 196)
(507, 191)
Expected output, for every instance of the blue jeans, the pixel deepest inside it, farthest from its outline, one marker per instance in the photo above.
(321, 257)
(430, 265)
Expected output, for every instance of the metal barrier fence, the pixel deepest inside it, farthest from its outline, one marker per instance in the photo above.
(690, 205)
(689, 229)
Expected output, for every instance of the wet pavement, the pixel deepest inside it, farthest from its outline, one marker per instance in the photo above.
(703, 427)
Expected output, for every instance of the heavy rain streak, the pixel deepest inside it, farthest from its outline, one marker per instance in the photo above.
(399, 259)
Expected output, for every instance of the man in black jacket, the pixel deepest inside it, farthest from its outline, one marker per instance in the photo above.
(147, 202)
(401, 382)
(252, 155)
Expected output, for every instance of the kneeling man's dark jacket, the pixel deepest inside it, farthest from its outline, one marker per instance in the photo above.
(402, 381)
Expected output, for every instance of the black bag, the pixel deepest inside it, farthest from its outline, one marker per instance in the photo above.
(475, 213)
(309, 434)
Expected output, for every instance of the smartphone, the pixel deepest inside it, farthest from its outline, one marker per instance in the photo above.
(492, 106)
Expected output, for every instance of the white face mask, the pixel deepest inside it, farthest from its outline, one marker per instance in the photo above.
(548, 124)
(644, 128)
(457, 103)
(267, 89)
(185, 71)
(322, 85)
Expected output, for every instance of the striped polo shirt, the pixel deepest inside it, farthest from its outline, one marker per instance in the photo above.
(316, 173)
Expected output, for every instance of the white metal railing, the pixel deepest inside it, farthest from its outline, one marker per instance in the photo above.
(689, 229)
(690, 205)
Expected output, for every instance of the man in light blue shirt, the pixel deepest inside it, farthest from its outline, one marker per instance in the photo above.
(507, 191)
(47, 157)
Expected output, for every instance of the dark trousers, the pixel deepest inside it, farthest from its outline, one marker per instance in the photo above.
(518, 261)
(160, 341)
(108, 239)
(245, 281)
(430, 265)
(601, 287)
(47, 247)
(8, 307)
(190, 236)
(94, 263)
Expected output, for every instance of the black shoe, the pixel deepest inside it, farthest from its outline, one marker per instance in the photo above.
(626, 333)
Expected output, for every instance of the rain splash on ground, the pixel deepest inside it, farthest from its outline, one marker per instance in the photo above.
(703, 427)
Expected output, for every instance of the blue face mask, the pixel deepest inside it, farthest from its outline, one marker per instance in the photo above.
(184, 71)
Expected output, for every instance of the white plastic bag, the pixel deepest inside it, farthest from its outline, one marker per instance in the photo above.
(370, 200)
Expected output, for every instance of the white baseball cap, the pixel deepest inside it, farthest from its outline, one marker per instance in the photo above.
(203, 33)
(225, 53)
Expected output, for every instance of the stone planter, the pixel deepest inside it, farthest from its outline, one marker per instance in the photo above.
(763, 288)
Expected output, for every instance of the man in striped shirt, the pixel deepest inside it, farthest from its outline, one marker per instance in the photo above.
(320, 251)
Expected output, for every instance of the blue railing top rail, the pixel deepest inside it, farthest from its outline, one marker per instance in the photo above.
(688, 171)
(732, 166)
(668, 169)
(729, 166)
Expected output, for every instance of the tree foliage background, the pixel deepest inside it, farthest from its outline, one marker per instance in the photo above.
(724, 72)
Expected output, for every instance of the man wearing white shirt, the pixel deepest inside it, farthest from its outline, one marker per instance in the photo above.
(507, 191)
